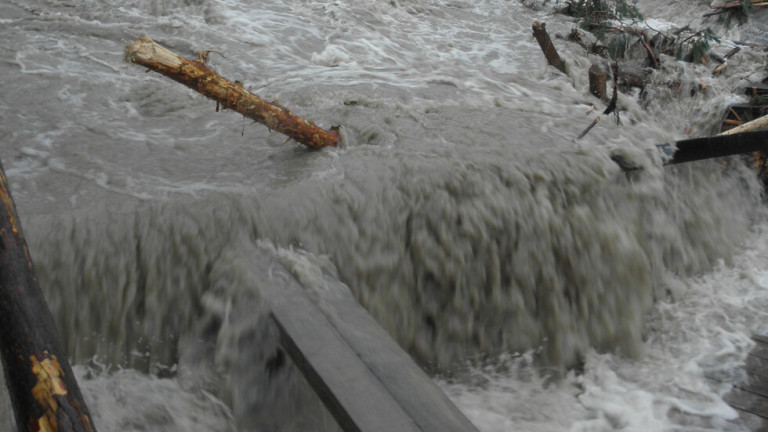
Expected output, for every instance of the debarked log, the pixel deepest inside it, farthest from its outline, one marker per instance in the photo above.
(231, 95)
(43, 390)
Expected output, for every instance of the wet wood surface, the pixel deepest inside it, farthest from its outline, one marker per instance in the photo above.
(43, 390)
(363, 377)
(750, 397)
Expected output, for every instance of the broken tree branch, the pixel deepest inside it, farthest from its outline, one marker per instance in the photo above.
(542, 37)
(231, 95)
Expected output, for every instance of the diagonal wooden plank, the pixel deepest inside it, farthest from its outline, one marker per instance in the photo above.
(355, 397)
(364, 378)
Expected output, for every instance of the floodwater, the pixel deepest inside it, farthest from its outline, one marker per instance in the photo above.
(542, 288)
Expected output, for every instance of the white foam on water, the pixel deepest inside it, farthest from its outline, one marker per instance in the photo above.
(693, 354)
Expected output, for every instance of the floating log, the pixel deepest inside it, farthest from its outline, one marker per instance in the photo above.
(542, 37)
(597, 80)
(43, 390)
(231, 95)
(367, 382)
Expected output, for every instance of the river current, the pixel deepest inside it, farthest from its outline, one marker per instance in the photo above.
(543, 288)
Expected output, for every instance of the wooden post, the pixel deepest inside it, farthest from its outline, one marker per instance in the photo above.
(553, 58)
(43, 390)
(231, 95)
(597, 80)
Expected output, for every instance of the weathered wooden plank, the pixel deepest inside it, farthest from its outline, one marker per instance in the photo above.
(748, 402)
(756, 365)
(760, 351)
(364, 378)
(355, 398)
(755, 384)
(751, 422)
(424, 402)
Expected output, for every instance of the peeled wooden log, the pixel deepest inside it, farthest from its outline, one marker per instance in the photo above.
(43, 390)
(231, 95)
(542, 37)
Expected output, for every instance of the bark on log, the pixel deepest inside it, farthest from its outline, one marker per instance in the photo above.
(231, 95)
(43, 390)
(542, 37)
(597, 80)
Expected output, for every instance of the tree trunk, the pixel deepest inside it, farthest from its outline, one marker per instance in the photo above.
(597, 80)
(540, 32)
(43, 390)
(231, 95)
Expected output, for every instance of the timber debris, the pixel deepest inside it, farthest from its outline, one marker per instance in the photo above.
(545, 42)
(44, 393)
(230, 95)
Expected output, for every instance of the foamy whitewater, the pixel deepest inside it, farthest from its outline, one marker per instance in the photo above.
(543, 288)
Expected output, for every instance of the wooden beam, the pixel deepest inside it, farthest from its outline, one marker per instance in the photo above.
(43, 390)
(713, 147)
(231, 95)
(695, 149)
(362, 376)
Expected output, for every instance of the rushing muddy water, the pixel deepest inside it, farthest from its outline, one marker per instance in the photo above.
(461, 211)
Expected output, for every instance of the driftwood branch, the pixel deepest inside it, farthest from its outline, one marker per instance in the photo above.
(542, 37)
(231, 95)
(43, 390)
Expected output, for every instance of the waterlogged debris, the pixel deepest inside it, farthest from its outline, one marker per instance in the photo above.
(227, 94)
(542, 37)
(696, 149)
(43, 389)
